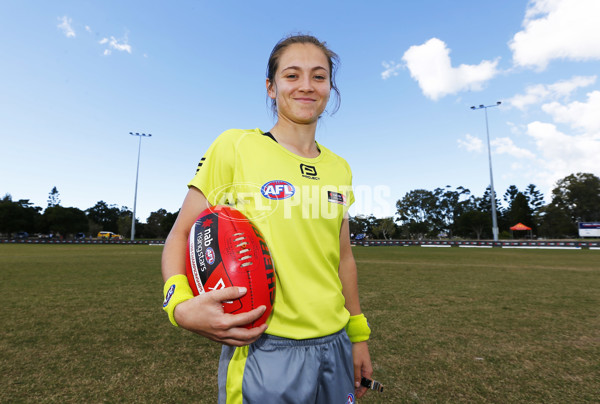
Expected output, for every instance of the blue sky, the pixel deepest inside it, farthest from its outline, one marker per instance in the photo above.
(77, 76)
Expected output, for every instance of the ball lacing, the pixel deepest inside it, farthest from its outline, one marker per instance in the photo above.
(243, 243)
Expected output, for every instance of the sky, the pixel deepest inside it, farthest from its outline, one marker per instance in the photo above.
(76, 77)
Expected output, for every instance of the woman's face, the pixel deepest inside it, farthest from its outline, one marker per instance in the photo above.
(302, 84)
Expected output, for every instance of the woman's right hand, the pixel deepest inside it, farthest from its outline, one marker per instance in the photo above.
(204, 315)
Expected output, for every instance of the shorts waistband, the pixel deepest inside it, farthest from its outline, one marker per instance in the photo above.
(287, 342)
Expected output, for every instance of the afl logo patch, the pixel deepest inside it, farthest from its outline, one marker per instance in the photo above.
(210, 255)
(350, 399)
(277, 189)
(169, 295)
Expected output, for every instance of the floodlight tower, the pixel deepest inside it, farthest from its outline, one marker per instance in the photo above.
(493, 193)
(140, 135)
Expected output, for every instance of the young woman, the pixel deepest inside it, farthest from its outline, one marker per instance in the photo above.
(313, 349)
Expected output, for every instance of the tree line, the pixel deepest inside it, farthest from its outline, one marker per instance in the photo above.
(420, 214)
(22, 216)
(452, 213)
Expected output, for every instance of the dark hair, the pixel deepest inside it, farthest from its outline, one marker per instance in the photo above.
(332, 58)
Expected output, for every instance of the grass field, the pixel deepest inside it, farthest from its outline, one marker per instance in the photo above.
(450, 325)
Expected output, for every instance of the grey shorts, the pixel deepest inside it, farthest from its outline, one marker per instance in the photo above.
(276, 370)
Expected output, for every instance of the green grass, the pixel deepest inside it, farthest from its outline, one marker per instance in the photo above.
(83, 323)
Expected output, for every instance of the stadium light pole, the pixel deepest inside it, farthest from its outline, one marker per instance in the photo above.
(493, 193)
(140, 135)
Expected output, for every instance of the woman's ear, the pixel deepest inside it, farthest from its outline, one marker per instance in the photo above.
(271, 89)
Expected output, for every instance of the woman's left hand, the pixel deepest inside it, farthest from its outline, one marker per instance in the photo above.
(362, 366)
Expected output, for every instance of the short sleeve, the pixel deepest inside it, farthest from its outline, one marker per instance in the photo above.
(215, 173)
(349, 193)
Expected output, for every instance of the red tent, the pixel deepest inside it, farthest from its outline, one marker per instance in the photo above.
(520, 227)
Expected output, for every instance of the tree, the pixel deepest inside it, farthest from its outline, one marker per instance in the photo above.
(357, 225)
(124, 226)
(124, 222)
(93, 227)
(451, 205)
(18, 216)
(169, 221)
(534, 197)
(554, 222)
(485, 205)
(361, 224)
(53, 198)
(510, 194)
(579, 195)
(420, 211)
(385, 228)
(576, 198)
(105, 216)
(65, 221)
(474, 223)
(519, 211)
(523, 206)
(154, 224)
(417, 230)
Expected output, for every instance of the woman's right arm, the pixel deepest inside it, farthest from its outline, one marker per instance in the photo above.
(173, 257)
(204, 313)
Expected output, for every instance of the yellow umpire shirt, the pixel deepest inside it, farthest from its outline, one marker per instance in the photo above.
(298, 204)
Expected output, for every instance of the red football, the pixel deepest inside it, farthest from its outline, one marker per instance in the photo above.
(226, 249)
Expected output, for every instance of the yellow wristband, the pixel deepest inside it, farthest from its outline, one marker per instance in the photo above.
(358, 329)
(176, 290)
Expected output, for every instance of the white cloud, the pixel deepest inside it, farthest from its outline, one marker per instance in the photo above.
(564, 88)
(115, 44)
(557, 29)
(541, 92)
(517, 166)
(514, 128)
(65, 26)
(471, 143)
(563, 154)
(584, 115)
(391, 69)
(559, 153)
(505, 145)
(111, 43)
(430, 65)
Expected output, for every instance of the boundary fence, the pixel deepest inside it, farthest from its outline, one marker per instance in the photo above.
(555, 244)
(51, 241)
(592, 245)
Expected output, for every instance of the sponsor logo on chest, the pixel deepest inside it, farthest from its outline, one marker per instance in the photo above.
(336, 197)
(309, 172)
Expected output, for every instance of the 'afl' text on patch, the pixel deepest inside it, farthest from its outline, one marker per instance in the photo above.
(169, 295)
(210, 255)
(277, 189)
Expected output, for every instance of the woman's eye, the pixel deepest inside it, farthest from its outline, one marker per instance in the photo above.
(291, 76)
(320, 77)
